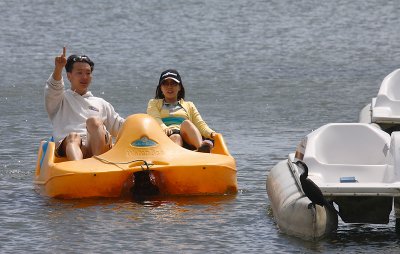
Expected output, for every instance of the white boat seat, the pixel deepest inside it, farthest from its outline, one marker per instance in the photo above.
(386, 106)
(347, 150)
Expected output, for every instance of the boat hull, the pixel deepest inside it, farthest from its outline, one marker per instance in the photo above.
(291, 207)
(173, 169)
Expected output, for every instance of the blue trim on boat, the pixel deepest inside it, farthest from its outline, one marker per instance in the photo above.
(44, 149)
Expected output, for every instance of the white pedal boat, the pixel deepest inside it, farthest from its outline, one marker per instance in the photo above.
(355, 165)
(384, 109)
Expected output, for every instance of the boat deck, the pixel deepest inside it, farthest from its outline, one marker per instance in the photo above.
(360, 189)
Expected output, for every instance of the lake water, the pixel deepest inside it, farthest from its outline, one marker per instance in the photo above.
(263, 73)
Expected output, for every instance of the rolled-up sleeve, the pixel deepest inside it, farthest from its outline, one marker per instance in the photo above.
(53, 94)
(199, 122)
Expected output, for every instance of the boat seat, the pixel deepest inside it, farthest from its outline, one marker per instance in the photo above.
(342, 150)
(386, 106)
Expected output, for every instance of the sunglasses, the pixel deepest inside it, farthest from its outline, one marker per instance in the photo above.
(169, 83)
(82, 58)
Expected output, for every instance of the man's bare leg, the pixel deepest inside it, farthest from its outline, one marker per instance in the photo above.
(72, 147)
(96, 131)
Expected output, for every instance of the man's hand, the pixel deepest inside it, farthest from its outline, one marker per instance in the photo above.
(60, 62)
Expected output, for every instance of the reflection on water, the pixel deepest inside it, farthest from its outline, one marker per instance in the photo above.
(148, 221)
(156, 201)
(172, 209)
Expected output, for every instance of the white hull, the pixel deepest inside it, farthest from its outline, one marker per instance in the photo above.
(356, 166)
(290, 206)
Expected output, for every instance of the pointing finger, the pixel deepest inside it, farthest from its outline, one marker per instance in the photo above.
(64, 51)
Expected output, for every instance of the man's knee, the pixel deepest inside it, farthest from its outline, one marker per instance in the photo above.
(93, 123)
(73, 137)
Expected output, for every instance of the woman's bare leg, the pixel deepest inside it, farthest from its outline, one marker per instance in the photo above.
(177, 139)
(191, 134)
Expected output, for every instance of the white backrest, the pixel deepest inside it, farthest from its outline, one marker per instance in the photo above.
(347, 143)
(391, 86)
(393, 172)
(387, 104)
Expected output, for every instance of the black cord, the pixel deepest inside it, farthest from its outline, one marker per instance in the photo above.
(145, 163)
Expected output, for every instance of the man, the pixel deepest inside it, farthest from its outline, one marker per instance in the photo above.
(81, 122)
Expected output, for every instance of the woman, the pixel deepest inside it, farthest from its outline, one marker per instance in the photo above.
(179, 119)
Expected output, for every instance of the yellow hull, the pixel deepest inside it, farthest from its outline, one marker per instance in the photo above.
(141, 146)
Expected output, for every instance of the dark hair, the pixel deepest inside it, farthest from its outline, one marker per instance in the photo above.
(75, 58)
(160, 95)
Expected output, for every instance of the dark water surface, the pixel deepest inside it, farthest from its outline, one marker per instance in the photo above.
(263, 73)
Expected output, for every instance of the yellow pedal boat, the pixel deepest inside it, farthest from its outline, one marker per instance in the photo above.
(143, 158)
